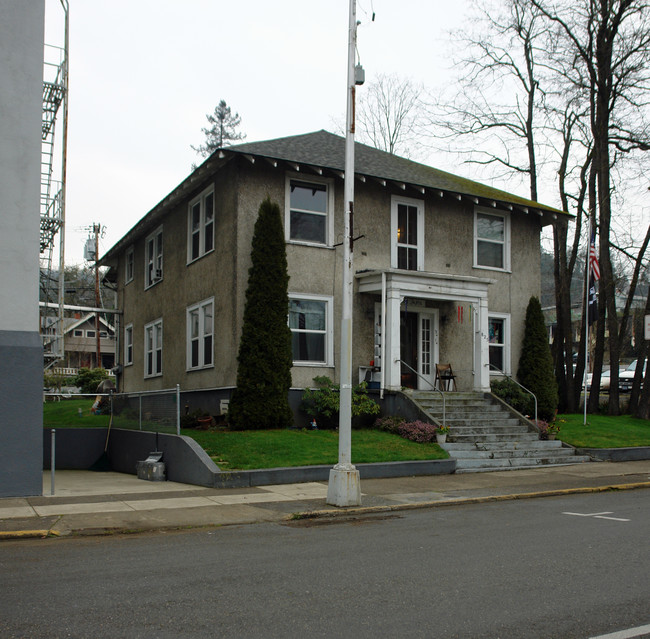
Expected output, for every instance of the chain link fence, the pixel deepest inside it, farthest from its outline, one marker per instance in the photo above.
(156, 411)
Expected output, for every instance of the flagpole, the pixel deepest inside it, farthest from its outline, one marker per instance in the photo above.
(586, 319)
(590, 276)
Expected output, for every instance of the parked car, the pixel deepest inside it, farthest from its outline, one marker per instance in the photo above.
(626, 378)
(605, 380)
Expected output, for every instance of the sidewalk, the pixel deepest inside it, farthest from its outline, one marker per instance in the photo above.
(89, 503)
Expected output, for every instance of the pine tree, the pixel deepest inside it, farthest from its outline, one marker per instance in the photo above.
(261, 399)
(222, 130)
(536, 362)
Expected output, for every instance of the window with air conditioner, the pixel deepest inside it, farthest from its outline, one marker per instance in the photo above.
(154, 258)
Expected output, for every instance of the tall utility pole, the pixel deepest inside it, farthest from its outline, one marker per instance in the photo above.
(344, 487)
(98, 363)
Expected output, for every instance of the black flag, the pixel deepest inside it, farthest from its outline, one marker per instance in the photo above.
(592, 313)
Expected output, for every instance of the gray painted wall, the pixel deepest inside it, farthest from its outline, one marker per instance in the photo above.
(21, 352)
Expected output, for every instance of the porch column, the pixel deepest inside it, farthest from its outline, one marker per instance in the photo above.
(392, 367)
(482, 348)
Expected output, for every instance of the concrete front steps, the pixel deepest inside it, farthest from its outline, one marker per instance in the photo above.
(484, 435)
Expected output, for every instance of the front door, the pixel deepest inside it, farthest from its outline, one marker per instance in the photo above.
(427, 348)
(409, 351)
(418, 348)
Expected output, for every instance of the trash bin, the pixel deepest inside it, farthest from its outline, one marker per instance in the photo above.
(152, 468)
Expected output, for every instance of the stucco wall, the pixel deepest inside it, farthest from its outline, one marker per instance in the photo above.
(240, 187)
(21, 349)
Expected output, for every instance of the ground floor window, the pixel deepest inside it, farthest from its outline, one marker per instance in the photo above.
(310, 321)
(153, 347)
(499, 340)
(200, 335)
(128, 345)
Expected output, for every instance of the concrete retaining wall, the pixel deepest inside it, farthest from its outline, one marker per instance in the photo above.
(635, 453)
(186, 462)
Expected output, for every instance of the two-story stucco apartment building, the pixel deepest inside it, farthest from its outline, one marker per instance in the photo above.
(444, 267)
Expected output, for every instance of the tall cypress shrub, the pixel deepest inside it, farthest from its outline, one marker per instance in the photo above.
(261, 399)
(536, 362)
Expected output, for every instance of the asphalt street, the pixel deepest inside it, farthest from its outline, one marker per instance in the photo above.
(566, 566)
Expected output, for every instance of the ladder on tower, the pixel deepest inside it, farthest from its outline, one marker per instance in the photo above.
(52, 198)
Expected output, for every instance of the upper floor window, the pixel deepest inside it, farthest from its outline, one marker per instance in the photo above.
(77, 332)
(129, 265)
(310, 207)
(128, 344)
(310, 321)
(200, 221)
(200, 335)
(499, 343)
(153, 348)
(154, 257)
(407, 231)
(492, 240)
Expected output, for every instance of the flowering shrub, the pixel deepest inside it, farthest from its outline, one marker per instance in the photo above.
(389, 424)
(547, 428)
(417, 431)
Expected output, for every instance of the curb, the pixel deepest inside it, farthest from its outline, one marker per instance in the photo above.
(368, 510)
(28, 534)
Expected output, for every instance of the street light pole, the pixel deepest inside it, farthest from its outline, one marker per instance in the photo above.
(344, 488)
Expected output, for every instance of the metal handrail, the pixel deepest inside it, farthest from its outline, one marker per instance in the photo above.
(492, 367)
(444, 410)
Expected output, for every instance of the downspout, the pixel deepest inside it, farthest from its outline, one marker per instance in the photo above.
(382, 370)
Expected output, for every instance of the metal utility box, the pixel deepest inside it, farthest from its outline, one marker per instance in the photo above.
(151, 469)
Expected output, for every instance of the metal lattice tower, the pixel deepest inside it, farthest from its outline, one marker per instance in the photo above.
(52, 201)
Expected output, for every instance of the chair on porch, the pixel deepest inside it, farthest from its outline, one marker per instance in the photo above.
(445, 377)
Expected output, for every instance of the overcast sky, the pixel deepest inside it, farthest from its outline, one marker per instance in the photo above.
(143, 74)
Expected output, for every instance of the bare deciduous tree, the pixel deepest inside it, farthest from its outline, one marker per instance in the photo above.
(603, 49)
(389, 114)
(566, 81)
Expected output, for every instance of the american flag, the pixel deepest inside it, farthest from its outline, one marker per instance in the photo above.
(593, 259)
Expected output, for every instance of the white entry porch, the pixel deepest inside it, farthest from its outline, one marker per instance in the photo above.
(410, 328)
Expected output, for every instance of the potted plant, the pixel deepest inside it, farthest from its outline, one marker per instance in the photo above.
(548, 430)
(441, 433)
(553, 429)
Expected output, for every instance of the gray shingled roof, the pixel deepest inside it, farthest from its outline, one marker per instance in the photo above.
(326, 150)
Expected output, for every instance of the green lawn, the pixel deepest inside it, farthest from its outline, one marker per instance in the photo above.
(246, 450)
(603, 431)
(65, 414)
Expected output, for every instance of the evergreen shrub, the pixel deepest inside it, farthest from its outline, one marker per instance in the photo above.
(536, 362)
(261, 398)
(88, 379)
(323, 402)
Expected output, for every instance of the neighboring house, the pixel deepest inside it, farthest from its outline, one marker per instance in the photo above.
(444, 269)
(80, 344)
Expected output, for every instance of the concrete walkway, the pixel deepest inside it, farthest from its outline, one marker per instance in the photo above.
(88, 503)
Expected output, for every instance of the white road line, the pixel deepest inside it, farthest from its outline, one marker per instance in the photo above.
(596, 516)
(588, 514)
(631, 633)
